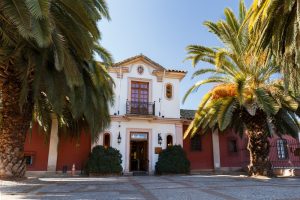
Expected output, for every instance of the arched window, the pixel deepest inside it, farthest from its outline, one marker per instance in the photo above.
(169, 91)
(106, 140)
(282, 149)
(169, 140)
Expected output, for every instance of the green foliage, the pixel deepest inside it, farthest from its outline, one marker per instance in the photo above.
(172, 160)
(246, 87)
(104, 161)
(274, 25)
(49, 46)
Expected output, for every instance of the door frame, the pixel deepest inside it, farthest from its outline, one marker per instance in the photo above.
(147, 133)
(127, 149)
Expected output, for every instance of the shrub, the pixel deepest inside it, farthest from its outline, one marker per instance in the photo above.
(104, 161)
(172, 160)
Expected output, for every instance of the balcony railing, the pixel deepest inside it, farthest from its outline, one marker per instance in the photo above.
(140, 108)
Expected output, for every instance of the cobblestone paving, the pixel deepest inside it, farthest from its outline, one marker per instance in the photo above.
(152, 187)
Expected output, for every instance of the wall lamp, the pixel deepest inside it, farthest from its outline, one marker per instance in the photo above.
(159, 139)
(119, 138)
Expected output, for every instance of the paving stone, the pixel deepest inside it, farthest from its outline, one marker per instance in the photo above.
(179, 187)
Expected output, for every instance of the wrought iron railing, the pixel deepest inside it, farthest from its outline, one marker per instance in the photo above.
(140, 108)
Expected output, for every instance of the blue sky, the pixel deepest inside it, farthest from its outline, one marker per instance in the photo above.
(161, 30)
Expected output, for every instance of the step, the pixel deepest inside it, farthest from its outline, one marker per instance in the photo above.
(140, 173)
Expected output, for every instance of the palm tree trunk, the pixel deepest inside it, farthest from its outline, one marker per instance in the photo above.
(258, 146)
(258, 143)
(15, 123)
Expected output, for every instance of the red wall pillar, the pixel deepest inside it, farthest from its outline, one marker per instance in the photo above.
(230, 158)
(73, 151)
(200, 160)
(37, 147)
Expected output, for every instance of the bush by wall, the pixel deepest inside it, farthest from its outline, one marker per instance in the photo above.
(172, 160)
(104, 161)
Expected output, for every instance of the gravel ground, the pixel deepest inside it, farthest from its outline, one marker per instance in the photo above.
(152, 187)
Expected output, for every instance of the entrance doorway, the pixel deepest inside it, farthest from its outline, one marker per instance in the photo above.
(139, 152)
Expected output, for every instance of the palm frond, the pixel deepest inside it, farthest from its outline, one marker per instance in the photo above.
(226, 112)
(200, 83)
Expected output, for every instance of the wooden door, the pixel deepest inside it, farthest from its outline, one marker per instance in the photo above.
(139, 156)
(139, 97)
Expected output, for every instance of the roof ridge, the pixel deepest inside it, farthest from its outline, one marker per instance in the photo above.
(149, 60)
(138, 56)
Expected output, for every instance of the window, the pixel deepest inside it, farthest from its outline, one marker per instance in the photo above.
(232, 146)
(106, 140)
(169, 140)
(28, 160)
(169, 91)
(139, 97)
(196, 143)
(282, 149)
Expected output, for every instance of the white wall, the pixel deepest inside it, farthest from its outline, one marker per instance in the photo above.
(154, 129)
(168, 108)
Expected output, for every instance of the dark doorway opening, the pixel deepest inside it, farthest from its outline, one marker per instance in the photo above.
(139, 156)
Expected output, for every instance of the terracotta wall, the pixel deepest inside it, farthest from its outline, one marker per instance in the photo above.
(292, 160)
(38, 147)
(241, 158)
(73, 151)
(229, 158)
(200, 160)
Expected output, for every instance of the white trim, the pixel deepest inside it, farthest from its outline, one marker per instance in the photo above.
(53, 146)
(216, 149)
(178, 134)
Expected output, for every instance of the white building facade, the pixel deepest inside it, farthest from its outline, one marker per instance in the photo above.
(146, 114)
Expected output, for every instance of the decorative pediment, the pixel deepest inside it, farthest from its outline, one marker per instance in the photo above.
(139, 58)
(159, 71)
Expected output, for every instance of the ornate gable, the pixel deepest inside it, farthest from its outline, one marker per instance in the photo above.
(138, 58)
(158, 70)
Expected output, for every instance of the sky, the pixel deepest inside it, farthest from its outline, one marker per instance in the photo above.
(161, 30)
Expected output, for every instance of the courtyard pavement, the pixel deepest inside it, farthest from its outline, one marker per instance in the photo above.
(152, 187)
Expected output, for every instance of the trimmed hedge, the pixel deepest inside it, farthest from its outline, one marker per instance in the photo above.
(172, 160)
(104, 161)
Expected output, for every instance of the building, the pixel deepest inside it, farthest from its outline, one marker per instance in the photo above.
(146, 115)
(227, 151)
(146, 118)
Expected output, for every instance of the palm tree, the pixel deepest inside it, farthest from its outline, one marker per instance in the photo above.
(275, 25)
(47, 65)
(247, 97)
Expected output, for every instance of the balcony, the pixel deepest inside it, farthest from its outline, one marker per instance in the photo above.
(140, 108)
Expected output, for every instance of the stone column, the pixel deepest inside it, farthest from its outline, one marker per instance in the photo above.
(53, 146)
(178, 135)
(216, 149)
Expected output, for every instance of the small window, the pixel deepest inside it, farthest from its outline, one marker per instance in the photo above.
(282, 149)
(196, 143)
(232, 146)
(169, 91)
(28, 160)
(169, 140)
(106, 140)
